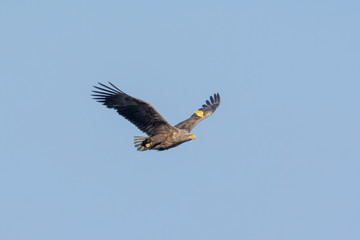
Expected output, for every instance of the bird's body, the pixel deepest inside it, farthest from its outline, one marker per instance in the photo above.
(161, 135)
(164, 141)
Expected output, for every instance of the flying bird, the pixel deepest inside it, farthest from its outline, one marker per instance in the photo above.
(160, 134)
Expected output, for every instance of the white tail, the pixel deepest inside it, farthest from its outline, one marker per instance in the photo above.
(138, 141)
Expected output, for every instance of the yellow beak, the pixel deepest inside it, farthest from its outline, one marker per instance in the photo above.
(192, 137)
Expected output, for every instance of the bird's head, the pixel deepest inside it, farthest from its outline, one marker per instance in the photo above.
(192, 136)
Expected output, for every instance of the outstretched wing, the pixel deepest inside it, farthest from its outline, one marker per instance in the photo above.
(140, 113)
(204, 112)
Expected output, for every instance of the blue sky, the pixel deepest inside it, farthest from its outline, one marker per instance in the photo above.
(279, 159)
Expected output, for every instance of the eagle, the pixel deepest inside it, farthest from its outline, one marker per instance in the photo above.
(160, 134)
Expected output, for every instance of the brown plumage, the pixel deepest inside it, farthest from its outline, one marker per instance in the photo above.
(161, 135)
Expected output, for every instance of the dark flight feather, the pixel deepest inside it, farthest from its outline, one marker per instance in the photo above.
(138, 112)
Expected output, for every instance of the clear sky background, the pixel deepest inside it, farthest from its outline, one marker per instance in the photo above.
(279, 159)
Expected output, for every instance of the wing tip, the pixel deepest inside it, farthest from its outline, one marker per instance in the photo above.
(215, 99)
(106, 89)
